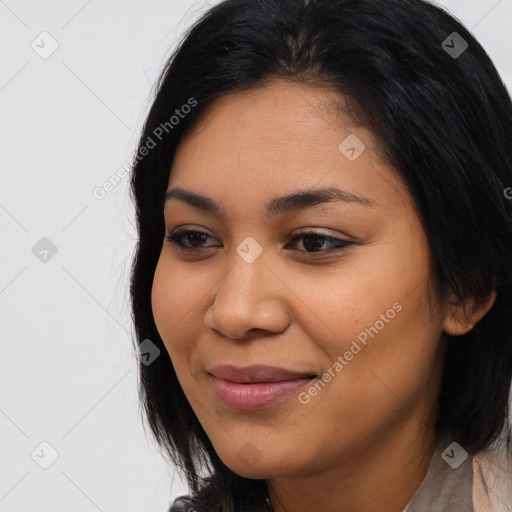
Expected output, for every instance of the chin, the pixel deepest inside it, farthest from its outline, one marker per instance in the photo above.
(250, 463)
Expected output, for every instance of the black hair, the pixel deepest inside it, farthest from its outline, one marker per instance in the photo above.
(443, 119)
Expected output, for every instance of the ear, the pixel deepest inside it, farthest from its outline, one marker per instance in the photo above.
(461, 318)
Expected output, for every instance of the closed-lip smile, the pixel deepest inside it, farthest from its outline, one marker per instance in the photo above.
(256, 386)
(256, 373)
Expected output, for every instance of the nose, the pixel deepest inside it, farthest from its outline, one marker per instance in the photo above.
(250, 302)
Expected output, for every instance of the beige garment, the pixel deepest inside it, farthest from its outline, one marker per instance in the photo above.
(492, 479)
(481, 483)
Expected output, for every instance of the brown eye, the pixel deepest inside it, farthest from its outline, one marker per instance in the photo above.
(316, 242)
(195, 238)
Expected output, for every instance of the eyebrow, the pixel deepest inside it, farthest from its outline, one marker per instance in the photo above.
(298, 200)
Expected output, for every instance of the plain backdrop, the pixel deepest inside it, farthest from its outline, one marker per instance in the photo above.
(76, 79)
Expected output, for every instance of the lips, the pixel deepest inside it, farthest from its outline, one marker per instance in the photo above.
(255, 387)
(256, 373)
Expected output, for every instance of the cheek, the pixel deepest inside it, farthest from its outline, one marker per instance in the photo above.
(336, 307)
(385, 363)
(180, 297)
(374, 325)
(163, 300)
(173, 299)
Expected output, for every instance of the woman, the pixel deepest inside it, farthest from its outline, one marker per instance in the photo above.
(324, 261)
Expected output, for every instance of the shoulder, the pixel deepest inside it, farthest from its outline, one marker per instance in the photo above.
(212, 498)
(183, 504)
(492, 469)
(205, 500)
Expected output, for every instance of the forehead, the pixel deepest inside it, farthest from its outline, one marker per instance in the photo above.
(280, 137)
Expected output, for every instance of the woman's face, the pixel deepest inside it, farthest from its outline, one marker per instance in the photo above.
(251, 291)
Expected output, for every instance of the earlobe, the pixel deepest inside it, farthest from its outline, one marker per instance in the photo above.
(460, 320)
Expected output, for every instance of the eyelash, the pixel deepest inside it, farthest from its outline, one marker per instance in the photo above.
(176, 240)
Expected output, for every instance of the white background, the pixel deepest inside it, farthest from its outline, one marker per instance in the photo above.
(67, 123)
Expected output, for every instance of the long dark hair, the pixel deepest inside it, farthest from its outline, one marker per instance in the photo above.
(443, 119)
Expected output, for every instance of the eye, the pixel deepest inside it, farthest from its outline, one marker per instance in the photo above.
(312, 241)
(316, 242)
(195, 237)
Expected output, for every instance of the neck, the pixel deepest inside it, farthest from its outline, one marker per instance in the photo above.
(382, 477)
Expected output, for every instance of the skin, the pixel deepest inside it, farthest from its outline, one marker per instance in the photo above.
(364, 442)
